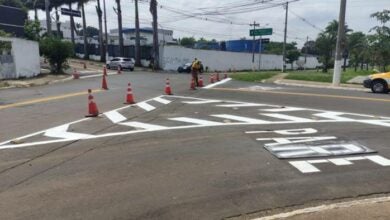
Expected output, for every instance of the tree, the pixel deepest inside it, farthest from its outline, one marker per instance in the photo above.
(32, 29)
(380, 41)
(91, 31)
(56, 52)
(187, 41)
(310, 48)
(137, 36)
(118, 11)
(277, 47)
(81, 5)
(292, 56)
(357, 47)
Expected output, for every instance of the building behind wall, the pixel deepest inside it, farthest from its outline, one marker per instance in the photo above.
(12, 20)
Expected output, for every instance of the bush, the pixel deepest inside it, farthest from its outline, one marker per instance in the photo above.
(56, 52)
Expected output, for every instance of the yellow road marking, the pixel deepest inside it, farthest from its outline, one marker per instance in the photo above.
(305, 94)
(46, 99)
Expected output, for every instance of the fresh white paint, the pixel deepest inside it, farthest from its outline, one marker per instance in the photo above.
(200, 102)
(240, 105)
(62, 132)
(115, 116)
(299, 131)
(241, 119)
(144, 126)
(161, 100)
(304, 167)
(147, 107)
(294, 140)
(196, 121)
(286, 109)
(217, 83)
(288, 117)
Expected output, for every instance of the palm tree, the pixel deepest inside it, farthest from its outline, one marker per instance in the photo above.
(81, 5)
(137, 37)
(120, 31)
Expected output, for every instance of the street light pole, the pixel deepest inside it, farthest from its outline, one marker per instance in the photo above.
(340, 38)
(105, 28)
(254, 43)
(285, 39)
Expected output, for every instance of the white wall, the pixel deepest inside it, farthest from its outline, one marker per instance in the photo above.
(173, 56)
(26, 57)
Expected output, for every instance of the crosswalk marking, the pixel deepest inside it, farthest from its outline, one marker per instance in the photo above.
(304, 167)
(340, 162)
(288, 117)
(161, 100)
(379, 160)
(196, 121)
(115, 116)
(241, 119)
(147, 107)
(62, 132)
(144, 126)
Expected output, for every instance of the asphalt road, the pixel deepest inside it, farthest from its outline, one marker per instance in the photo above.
(204, 154)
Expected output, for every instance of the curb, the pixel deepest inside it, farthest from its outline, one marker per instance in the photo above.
(281, 82)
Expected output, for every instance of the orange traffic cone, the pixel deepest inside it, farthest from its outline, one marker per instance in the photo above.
(200, 81)
(76, 75)
(217, 77)
(104, 83)
(212, 78)
(192, 86)
(168, 90)
(119, 70)
(129, 96)
(92, 107)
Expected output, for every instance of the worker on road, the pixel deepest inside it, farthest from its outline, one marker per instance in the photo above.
(195, 68)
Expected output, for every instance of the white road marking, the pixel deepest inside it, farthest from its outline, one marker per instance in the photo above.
(217, 83)
(147, 107)
(200, 102)
(286, 109)
(287, 132)
(379, 160)
(115, 116)
(161, 100)
(304, 167)
(294, 140)
(340, 162)
(62, 132)
(196, 121)
(355, 158)
(241, 119)
(376, 122)
(334, 116)
(144, 126)
(317, 161)
(289, 118)
(240, 105)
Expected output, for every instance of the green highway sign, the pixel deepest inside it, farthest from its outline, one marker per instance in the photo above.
(261, 32)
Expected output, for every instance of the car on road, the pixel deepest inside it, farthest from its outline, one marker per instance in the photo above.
(378, 83)
(123, 62)
(186, 68)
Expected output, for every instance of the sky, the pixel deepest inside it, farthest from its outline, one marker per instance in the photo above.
(306, 18)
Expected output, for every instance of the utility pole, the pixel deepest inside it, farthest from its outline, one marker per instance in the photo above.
(153, 10)
(285, 39)
(120, 29)
(72, 25)
(105, 28)
(48, 19)
(260, 48)
(101, 41)
(137, 37)
(254, 25)
(340, 38)
(306, 49)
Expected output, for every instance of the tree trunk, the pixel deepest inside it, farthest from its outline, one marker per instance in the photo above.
(58, 24)
(137, 37)
(72, 26)
(156, 57)
(367, 66)
(101, 47)
(361, 66)
(120, 31)
(36, 14)
(356, 66)
(345, 64)
(48, 18)
(86, 52)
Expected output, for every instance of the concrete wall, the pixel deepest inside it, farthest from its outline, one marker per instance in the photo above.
(26, 60)
(172, 57)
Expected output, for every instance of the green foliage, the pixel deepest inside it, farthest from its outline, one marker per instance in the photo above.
(291, 56)
(312, 75)
(380, 41)
(277, 47)
(32, 29)
(187, 41)
(358, 48)
(92, 31)
(310, 48)
(56, 52)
